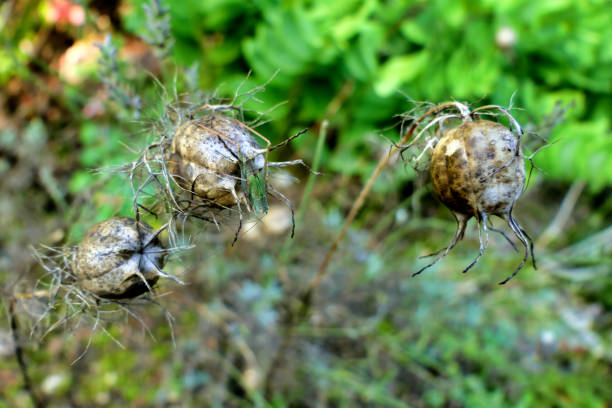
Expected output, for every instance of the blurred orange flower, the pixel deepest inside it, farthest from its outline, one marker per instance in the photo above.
(63, 11)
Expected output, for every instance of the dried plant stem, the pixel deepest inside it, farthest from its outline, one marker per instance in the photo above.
(294, 318)
(349, 219)
(563, 215)
(334, 106)
(35, 294)
(314, 283)
(20, 355)
(298, 310)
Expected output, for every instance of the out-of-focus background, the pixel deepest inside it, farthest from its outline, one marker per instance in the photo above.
(81, 86)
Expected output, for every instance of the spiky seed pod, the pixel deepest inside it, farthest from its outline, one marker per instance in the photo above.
(206, 154)
(478, 171)
(119, 258)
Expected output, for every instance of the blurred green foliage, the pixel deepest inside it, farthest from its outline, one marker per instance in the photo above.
(546, 52)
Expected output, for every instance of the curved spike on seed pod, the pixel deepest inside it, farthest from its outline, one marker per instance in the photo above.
(513, 122)
(463, 110)
(119, 258)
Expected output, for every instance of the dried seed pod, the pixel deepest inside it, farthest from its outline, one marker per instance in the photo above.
(119, 258)
(207, 154)
(478, 171)
(218, 163)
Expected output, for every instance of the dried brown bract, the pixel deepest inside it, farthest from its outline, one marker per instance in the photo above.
(478, 171)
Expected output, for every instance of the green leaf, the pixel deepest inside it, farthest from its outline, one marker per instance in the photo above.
(399, 70)
(414, 32)
(581, 152)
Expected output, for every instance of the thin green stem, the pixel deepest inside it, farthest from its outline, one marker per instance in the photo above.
(285, 252)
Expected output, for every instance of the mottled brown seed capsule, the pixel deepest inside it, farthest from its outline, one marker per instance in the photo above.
(476, 168)
(117, 256)
(478, 171)
(205, 157)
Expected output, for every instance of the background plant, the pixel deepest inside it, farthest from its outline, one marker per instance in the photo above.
(376, 337)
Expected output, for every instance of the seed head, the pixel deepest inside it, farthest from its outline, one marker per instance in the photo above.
(119, 258)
